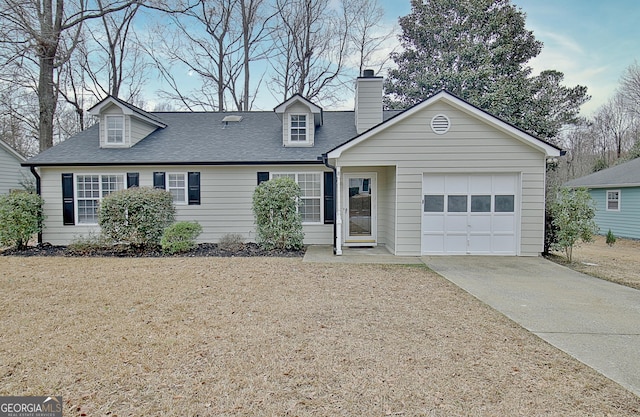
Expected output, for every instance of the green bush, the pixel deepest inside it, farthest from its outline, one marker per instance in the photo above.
(611, 238)
(137, 216)
(20, 218)
(573, 213)
(180, 237)
(279, 225)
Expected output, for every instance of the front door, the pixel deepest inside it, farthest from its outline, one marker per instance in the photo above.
(360, 201)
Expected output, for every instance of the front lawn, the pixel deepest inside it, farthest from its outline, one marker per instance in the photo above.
(275, 337)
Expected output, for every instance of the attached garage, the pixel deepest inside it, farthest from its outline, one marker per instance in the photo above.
(450, 179)
(470, 214)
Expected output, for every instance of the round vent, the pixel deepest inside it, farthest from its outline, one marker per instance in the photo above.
(440, 124)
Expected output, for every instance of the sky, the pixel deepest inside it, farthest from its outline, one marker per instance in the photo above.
(591, 41)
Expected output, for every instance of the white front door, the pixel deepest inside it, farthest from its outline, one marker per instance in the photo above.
(360, 210)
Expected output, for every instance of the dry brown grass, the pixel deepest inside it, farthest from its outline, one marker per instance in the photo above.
(275, 337)
(619, 263)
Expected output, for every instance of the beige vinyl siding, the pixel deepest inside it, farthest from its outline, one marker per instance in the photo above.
(470, 146)
(225, 201)
(139, 129)
(11, 173)
(297, 108)
(368, 106)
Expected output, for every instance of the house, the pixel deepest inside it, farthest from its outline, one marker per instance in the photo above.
(12, 175)
(442, 177)
(616, 193)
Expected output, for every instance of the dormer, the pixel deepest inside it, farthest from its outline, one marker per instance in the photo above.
(300, 117)
(122, 125)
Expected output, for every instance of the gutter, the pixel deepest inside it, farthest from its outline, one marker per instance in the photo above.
(34, 172)
(326, 163)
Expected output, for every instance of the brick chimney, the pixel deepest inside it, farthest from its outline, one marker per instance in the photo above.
(368, 101)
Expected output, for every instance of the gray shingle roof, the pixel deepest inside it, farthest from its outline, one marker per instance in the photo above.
(623, 175)
(202, 138)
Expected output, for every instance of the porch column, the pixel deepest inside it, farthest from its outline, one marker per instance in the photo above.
(338, 213)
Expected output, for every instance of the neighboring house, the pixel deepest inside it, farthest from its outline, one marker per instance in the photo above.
(12, 175)
(442, 177)
(616, 193)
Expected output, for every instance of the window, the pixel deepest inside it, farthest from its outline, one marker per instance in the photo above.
(613, 200)
(434, 203)
(310, 206)
(177, 186)
(298, 131)
(480, 203)
(90, 190)
(115, 129)
(504, 204)
(457, 204)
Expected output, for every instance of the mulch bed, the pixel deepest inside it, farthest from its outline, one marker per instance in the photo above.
(125, 251)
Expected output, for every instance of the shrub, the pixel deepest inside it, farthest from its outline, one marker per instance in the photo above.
(137, 216)
(573, 213)
(278, 222)
(231, 242)
(20, 218)
(180, 237)
(88, 244)
(611, 238)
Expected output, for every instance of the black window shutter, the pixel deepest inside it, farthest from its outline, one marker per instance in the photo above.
(68, 210)
(194, 188)
(329, 198)
(133, 179)
(158, 180)
(262, 177)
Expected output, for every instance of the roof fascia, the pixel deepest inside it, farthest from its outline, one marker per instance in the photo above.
(176, 163)
(126, 110)
(460, 104)
(12, 151)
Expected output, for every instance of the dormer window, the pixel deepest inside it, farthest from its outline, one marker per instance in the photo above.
(300, 119)
(115, 129)
(298, 128)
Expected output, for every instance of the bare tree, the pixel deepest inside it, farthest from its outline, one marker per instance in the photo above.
(205, 42)
(630, 88)
(368, 36)
(40, 26)
(311, 43)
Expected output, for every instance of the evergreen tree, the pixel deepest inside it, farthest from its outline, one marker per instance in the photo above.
(479, 50)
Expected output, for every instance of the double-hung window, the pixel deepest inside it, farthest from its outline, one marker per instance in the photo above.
(298, 130)
(115, 129)
(310, 204)
(613, 200)
(90, 190)
(177, 186)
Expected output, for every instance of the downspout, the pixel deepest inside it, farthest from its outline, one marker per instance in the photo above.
(325, 161)
(39, 192)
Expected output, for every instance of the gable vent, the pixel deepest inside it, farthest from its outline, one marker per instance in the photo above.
(440, 124)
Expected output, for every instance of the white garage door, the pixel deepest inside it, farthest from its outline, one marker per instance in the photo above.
(470, 214)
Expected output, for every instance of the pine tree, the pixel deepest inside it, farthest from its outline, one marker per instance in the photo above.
(479, 50)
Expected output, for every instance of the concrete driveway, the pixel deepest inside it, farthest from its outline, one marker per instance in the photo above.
(595, 321)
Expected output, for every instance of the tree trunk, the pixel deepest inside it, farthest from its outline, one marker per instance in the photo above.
(46, 97)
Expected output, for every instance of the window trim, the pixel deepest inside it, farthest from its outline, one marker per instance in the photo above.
(185, 177)
(619, 200)
(77, 199)
(306, 129)
(107, 130)
(320, 197)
